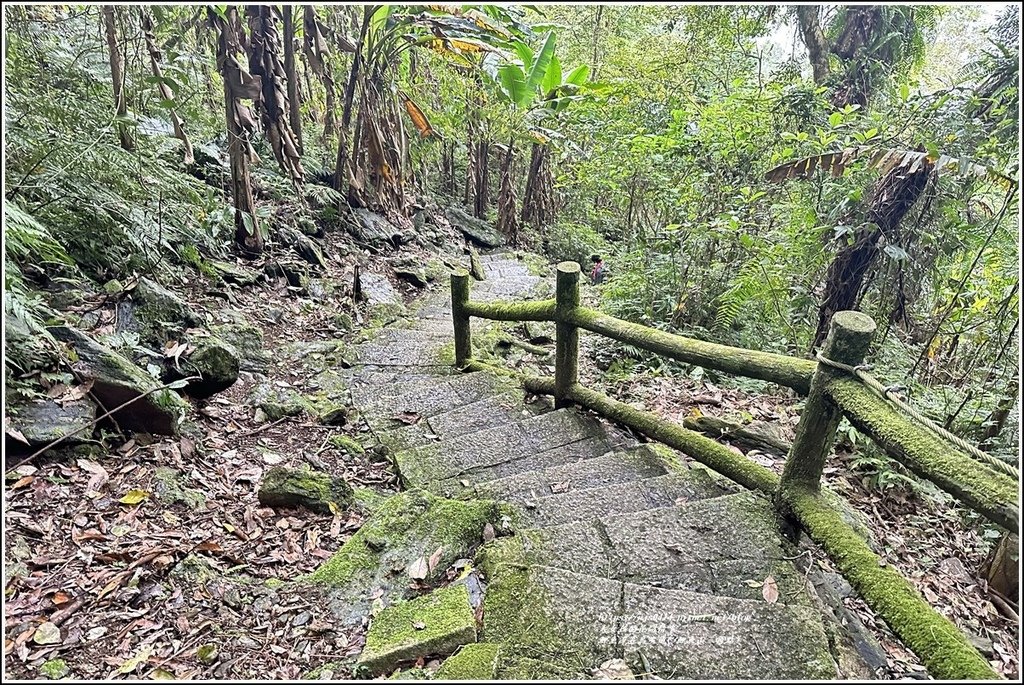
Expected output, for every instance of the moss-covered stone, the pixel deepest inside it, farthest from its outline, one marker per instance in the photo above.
(477, 662)
(328, 671)
(284, 487)
(347, 444)
(247, 341)
(55, 669)
(168, 488)
(216, 363)
(368, 499)
(163, 314)
(406, 527)
(436, 624)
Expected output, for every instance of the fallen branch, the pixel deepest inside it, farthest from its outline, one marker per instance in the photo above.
(49, 446)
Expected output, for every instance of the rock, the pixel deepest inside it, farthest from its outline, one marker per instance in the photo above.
(983, 645)
(343, 442)
(247, 343)
(284, 487)
(476, 268)
(373, 228)
(477, 230)
(477, 662)
(43, 421)
(334, 415)
(217, 363)
(26, 348)
(406, 528)
(113, 287)
(955, 568)
(342, 321)
(297, 275)
(162, 313)
(117, 380)
(304, 247)
(436, 624)
(168, 488)
(377, 289)
(232, 273)
(415, 277)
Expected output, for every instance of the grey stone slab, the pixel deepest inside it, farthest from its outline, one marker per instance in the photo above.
(426, 396)
(586, 449)
(619, 498)
(401, 353)
(607, 469)
(489, 412)
(690, 635)
(494, 446)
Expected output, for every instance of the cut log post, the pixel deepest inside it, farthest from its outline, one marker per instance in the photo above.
(460, 296)
(567, 336)
(848, 340)
(476, 267)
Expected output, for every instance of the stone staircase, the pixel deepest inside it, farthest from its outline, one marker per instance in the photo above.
(623, 550)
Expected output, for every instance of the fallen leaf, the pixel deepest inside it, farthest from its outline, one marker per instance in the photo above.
(418, 569)
(435, 559)
(46, 634)
(407, 417)
(614, 669)
(16, 434)
(60, 598)
(134, 497)
(770, 590)
(488, 532)
(419, 625)
(22, 482)
(560, 487)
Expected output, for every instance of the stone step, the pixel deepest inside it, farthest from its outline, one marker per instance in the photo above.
(725, 545)
(563, 455)
(620, 498)
(495, 410)
(608, 469)
(404, 353)
(424, 396)
(675, 634)
(508, 443)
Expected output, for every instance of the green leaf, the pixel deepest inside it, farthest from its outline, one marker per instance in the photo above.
(513, 83)
(553, 77)
(578, 76)
(541, 63)
(835, 119)
(904, 92)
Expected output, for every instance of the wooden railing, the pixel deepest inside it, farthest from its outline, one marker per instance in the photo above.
(831, 394)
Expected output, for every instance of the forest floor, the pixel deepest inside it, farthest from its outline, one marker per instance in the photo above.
(116, 579)
(113, 576)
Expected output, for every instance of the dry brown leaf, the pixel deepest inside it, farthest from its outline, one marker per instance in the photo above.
(770, 590)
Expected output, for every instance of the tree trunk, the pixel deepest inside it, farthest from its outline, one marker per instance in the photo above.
(1001, 569)
(893, 196)
(165, 91)
(538, 198)
(508, 220)
(341, 164)
(813, 37)
(238, 84)
(294, 115)
(997, 419)
(317, 51)
(272, 104)
(117, 75)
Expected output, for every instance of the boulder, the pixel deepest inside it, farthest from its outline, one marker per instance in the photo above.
(415, 277)
(43, 421)
(117, 380)
(247, 343)
(373, 228)
(25, 347)
(304, 246)
(217, 364)
(162, 314)
(477, 230)
(476, 662)
(316, 491)
(234, 273)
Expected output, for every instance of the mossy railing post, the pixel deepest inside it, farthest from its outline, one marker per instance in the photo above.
(567, 336)
(848, 340)
(460, 296)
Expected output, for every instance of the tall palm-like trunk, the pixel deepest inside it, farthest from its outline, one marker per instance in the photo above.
(294, 115)
(508, 218)
(892, 197)
(165, 92)
(117, 75)
(538, 197)
(238, 84)
(317, 52)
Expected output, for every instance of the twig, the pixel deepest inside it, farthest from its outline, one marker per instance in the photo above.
(62, 438)
(1003, 605)
(264, 427)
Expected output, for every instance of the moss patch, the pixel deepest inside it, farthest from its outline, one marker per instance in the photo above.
(284, 487)
(55, 669)
(478, 661)
(369, 499)
(343, 442)
(436, 624)
(168, 487)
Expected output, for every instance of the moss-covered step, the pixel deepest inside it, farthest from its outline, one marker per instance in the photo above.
(304, 487)
(608, 469)
(116, 380)
(411, 526)
(476, 662)
(727, 545)
(536, 611)
(381, 396)
(492, 446)
(580, 504)
(436, 624)
(470, 418)
(401, 353)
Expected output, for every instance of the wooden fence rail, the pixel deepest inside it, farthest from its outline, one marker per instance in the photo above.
(831, 394)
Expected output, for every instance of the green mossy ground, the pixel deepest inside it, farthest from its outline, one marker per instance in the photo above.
(55, 669)
(433, 625)
(476, 662)
(304, 487)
